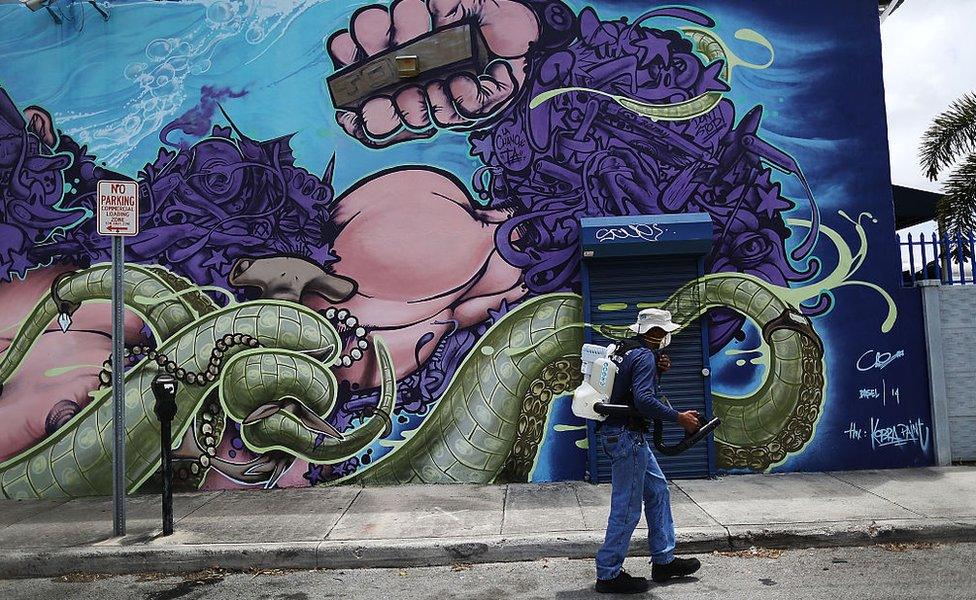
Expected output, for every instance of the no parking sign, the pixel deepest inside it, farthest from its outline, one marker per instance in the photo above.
(118, 208)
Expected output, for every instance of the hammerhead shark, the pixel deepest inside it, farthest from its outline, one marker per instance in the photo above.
(290, 278)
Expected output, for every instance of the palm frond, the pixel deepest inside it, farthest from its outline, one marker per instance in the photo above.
(956, 210)
(952, 134)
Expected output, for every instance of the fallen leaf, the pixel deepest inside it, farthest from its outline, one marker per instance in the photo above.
(152, 576)
(753, 552)
(81, 577)
(905, 547)
(211, 575)
(270, 572)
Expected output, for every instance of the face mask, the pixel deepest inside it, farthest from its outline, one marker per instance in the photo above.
(649, 343)
(665, 342)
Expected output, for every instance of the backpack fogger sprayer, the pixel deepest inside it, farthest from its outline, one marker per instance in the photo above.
(591, 398)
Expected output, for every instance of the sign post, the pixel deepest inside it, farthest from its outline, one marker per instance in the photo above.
(118, 216)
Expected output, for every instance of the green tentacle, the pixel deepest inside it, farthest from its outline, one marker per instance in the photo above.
(76, 460)
(475, 424)
(779, 418)
(262, 378)
(147, 294)
(269, 362)
(470, 433)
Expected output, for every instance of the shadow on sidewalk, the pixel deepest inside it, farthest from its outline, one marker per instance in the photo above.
(589, 592)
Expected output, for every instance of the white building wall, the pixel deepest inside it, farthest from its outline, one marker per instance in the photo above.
(958, 319)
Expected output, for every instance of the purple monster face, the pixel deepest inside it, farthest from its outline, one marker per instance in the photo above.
(219, 172)
(31, 184)
(203, 207)
(581, 153)
(224, 198)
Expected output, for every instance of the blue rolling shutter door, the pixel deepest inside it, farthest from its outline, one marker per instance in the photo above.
(635, 280)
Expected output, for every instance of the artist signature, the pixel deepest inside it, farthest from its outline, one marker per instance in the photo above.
(877, 360)
(913, 432)
(647, 232)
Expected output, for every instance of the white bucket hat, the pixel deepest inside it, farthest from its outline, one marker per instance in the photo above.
(653, 317)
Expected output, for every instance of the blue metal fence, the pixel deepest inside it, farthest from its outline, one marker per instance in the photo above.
(948, 259)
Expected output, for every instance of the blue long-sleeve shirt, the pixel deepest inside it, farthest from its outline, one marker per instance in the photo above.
(637, 385)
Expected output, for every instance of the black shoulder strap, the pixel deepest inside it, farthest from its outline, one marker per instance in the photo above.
(625, 346)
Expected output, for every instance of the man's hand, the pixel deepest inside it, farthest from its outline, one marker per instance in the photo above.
(416, 111)
(689, 420)
(663, 363)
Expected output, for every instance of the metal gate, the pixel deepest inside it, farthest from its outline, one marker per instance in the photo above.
(617, 283)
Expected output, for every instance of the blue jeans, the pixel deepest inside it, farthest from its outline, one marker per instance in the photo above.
(636, 479)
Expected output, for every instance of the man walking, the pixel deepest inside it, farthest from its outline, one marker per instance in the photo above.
(635, 475)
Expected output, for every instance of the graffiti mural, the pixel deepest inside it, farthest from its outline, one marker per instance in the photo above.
(362, 277)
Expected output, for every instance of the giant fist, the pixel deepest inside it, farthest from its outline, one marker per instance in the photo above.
(457, 99)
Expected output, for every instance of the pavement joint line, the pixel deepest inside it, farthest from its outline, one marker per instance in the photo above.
(213, 497)
(851, 483)
(346, 510)
(501, 528)
(700, 507)
(317, 552)
(579, 503)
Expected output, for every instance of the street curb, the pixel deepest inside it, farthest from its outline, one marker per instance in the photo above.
(156, 556)
(852, 533)
(118, 560)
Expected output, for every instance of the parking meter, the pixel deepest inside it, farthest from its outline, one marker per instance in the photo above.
(164, 388)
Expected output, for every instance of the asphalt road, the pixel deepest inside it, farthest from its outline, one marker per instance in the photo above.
(943, 572)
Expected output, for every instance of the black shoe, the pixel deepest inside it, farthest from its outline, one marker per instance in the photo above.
(679, 567)
(622, 584)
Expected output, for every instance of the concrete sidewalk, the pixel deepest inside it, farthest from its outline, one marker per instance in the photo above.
(349, 527)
